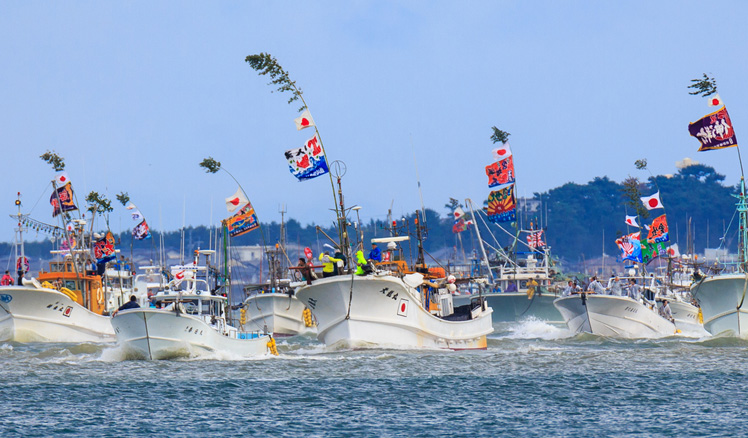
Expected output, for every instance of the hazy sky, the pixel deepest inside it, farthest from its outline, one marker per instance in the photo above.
(135, 94)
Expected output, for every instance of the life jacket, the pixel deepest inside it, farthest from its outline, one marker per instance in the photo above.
(7, 280)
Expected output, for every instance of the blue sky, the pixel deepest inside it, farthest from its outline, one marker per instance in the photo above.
(135, 94)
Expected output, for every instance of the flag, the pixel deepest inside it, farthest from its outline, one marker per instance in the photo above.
(141, 231)
(652, 202)
(714, 131)
(715, 100)
(652, 250)
(242, 222)
(630, 246)
(502, 205)
(459, 226)
(62, 200)
(104, 249)
(61, 179)
(137, 216)
(535, 239)
(631, 220)
(458, 213)
(658, 231)
(673, 251)
(502, 152)
(501, 172)
(236, 200)
(308, 161)
(304, 121)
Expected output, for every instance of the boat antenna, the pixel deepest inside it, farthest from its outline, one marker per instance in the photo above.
(418, 179)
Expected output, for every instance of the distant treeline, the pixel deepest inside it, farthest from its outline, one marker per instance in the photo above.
(580, 220)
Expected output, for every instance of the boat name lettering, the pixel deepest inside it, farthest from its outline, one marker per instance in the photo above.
(631, 309)
(5, 298)
(312, 303)
(389, 293)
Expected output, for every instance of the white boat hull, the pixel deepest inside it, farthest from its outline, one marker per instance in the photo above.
(613, 316)
(164, 334)
(281, 314)
(724, 304)
(686, 317)
(514, 306)
(385, 312)
(30, 314)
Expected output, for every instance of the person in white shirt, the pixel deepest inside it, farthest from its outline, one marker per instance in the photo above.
(665, 311)
(568, 290)
(596, 287)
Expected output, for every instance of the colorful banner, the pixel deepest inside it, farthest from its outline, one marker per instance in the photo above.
(658, 230)
(501, 172)
(651, 251)
(63, 196)
(535, 239)
(459, 226)
(714, 131)
(502, 205)
(631, 247)
(243, 222)
(104, 249)
(141, 231)
(308, 161)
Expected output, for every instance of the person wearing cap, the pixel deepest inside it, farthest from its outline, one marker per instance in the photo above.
(375, 254)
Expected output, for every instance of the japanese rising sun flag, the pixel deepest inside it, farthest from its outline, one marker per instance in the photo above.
(631, 220)
(502, 152)
(304, 121)
(652, 202)
(236, 200)
(502, 205)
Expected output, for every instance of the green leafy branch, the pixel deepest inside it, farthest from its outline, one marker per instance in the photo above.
(265, 64)
(499, 136)
(210, 165)
(56, 161)
(98, 203)
(123, 198)
(705, 86)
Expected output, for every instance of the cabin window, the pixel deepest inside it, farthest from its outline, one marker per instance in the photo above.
(71, 284)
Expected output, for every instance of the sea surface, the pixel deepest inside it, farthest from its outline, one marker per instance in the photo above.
(534, 380)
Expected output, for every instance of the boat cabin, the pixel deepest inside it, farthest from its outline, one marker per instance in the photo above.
(83, 287)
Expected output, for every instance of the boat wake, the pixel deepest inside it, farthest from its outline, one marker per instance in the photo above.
(532, 328)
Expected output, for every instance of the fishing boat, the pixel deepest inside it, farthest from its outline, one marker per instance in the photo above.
(278, 311)
(613, 316)
(189, 319)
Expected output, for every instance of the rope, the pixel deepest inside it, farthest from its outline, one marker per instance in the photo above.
(350, 297)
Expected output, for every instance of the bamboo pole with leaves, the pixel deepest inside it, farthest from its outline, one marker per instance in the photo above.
(265, 64)
(502, 137)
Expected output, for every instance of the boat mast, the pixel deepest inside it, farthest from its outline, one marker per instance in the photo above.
(21, 261)
(480, 240)
(743, 212)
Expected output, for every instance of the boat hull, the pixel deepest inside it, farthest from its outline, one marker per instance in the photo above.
(514, 306)
(722, 303)
(613, 316)
(385, 312)
(281, 314)
(162, 334)
(31, 314)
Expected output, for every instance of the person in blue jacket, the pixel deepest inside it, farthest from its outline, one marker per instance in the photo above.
(375, 253)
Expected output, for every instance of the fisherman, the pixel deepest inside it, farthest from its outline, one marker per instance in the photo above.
(512, 287)
(375, 254)
(340, 266)
(362, 266)
(633, 290)
(305, 271)
(665, 311)
(595, 286)
(328, 264)
(7, 280)
(614, 286)
(132, 304)
(569, 289)
(531, 287)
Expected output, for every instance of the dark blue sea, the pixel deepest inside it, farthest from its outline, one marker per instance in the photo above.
(534, 380)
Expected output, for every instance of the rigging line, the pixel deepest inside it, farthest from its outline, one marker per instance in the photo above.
(350, 297)
(510, 235)
(40, 197)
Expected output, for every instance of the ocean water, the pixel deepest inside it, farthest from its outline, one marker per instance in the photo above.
(534, 380)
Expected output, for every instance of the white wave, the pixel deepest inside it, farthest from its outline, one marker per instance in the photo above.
(532, 328)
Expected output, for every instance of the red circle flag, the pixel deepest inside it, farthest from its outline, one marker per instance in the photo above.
(308, 252)
(653, 203)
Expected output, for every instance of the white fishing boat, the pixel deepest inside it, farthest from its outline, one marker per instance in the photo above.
(613, 316)
(722, 299)
(189, 320)
(279, 313)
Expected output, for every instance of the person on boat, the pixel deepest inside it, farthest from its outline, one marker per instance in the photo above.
(614, 286)
(362, 266)
(532, 286)
(595, 286)
(634, 292)
(132, 304)
(57, 283)
(305, 270)
(665, 311)
(375, 254)
(339, 267)
(569, 289)
(7, 280)
(512, 287)
(328, 264)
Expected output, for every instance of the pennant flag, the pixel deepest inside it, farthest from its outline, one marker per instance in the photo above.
(62, 200)
(141, 231)
(652, 202)
(459, 226)
(61, 179)
(304, 121)
(658, 230)
(715, 100)
(242, 222)
(631, 220)
(104, 249)
(714, 131)
(136, 215)
(458, 213)
(535, 240)
(236, 200)
(630, 246)
(502, 152)
(501, 172)
(307, 162)
(502, 205)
